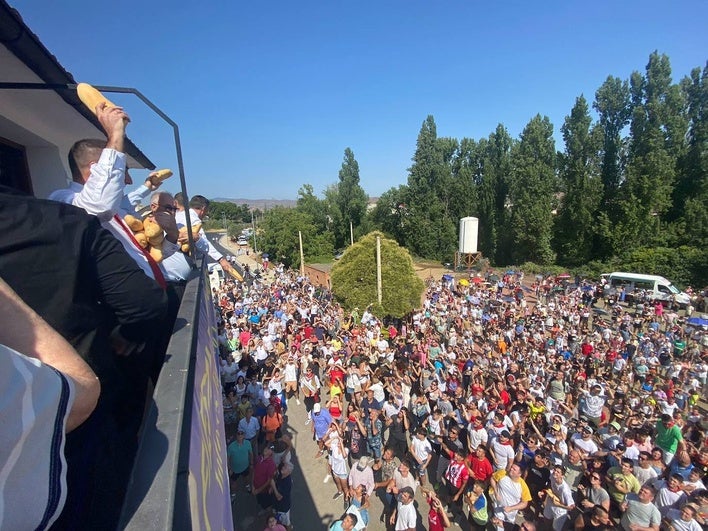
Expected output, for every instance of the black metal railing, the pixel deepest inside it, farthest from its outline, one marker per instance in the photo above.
(183, 432)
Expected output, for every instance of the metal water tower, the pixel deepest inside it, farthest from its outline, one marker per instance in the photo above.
(467, 253)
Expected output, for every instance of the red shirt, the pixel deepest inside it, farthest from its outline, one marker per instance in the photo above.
(456, 473)
(308, 331)
(244, 338)
(336, 374)
(263, 471)
(434, 521)
(481, 468)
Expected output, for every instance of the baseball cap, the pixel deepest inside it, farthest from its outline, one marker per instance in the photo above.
(316, 408)
(363, 462)
(615, 425)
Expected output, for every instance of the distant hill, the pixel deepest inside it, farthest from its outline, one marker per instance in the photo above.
(260, 204)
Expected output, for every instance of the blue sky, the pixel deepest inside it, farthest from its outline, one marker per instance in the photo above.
(268, 95)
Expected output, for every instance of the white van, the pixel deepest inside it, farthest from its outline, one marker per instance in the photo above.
(656, 287)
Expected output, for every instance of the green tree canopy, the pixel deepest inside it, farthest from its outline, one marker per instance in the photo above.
(581, 185)
(278, 236)
(347, 200)
(354, 278)
(531, 193)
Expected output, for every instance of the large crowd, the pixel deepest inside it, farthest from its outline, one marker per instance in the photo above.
(509, 404)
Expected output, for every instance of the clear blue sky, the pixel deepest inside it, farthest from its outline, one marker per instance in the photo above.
(269, 94)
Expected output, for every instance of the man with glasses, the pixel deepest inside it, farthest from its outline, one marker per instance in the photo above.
(643, 471)
(174, 264)
(449, 446)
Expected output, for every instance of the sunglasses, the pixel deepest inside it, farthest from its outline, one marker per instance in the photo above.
(169, 208)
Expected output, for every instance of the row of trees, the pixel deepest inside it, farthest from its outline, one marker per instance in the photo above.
(632, 175)
(637, 176)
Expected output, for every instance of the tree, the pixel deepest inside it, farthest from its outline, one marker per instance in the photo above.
(532, 193)
(391, 211)
(354, 278)
(278, 236)
(308, 203)
(690, 201)
(467, 165)
(657, 141)
(349, 199)
(581, 182)
(218, 210)
(612, 103)
(430, 226)
(494, 240)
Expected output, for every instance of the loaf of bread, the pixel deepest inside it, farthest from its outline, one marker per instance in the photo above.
(92, 97)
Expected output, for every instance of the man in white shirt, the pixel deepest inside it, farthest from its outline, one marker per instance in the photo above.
(98, 172)
(584, 442)
(405, 516)
(502, 451)
(198, 208)
(559, 501)
(477, 434)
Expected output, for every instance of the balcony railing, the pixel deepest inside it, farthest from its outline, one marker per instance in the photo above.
(180, 479)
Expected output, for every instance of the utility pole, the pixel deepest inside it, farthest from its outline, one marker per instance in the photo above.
(351, 232)
(378, 267)
(302, 255)
(253, 222)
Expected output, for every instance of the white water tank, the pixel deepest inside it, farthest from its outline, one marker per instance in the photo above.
(469, 227)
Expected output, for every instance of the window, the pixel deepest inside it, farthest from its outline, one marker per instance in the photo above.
(14, 171)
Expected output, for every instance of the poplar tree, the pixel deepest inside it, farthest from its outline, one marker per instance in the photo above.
(581, 185)
(531, 193)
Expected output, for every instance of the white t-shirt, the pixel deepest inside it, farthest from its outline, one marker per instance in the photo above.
(290, 372)
(503, 453)
(421, 448)
(406, 517)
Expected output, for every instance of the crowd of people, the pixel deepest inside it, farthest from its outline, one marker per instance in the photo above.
(507, 404)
